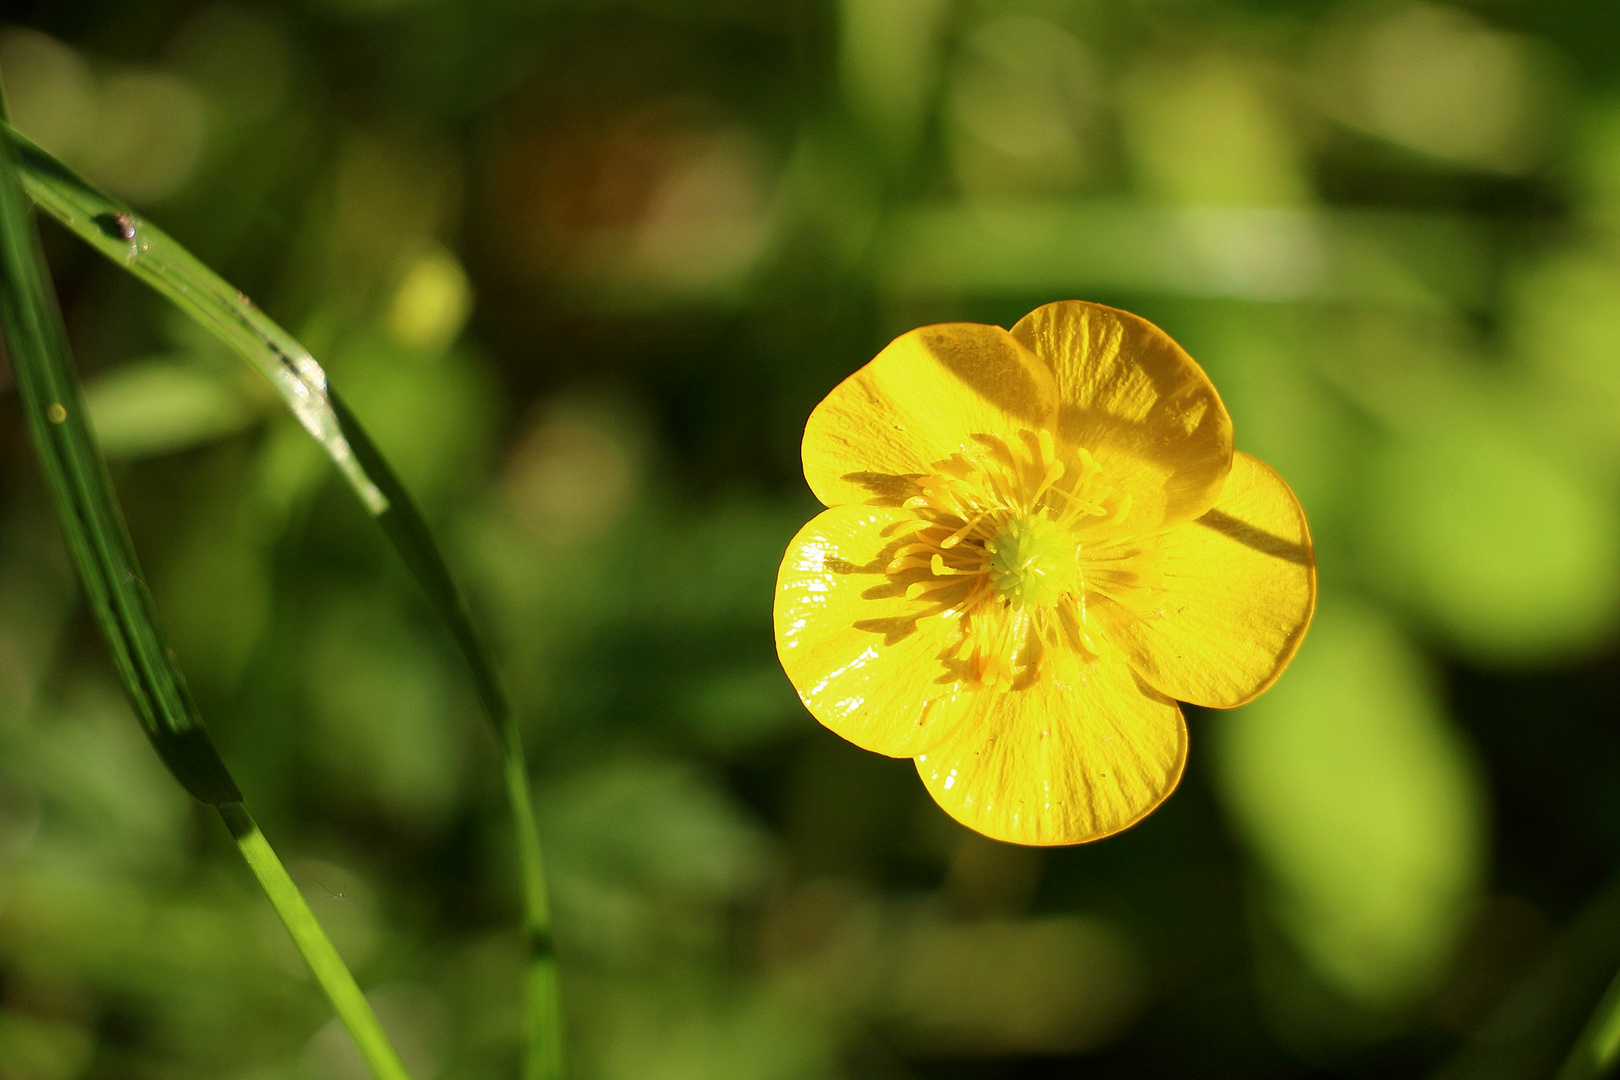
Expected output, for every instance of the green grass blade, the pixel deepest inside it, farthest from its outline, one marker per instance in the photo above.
(409, 533)
(154, 257)
(324, 962)
(88, 507)
(1597, 1050)
(93, 524)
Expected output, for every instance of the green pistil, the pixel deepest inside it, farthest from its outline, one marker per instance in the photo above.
(1033, 561)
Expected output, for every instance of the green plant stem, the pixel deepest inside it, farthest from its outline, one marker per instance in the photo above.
(1597, 1051)
(93, 525)
(545, 1005)
(87, 506)
(403, 524)
(151, 255)
(323, 960)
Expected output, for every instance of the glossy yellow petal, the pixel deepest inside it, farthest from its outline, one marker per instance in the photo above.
(1139, 403)
(1240, 586)
(919, 401)
(1062, 762)
(851, 643)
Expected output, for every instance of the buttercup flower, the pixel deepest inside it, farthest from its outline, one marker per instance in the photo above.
(1036, 542)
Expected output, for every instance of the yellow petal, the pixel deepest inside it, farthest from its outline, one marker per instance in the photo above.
(851, 643)
(1139, 403)
(1240, 586)
(919, 401)
(1062, 762)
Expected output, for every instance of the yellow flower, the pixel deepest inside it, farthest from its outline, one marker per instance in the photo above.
(1036, 542)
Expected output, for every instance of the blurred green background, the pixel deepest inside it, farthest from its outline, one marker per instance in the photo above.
(584, 267)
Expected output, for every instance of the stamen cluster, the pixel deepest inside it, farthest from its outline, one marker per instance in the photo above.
(1015, 542)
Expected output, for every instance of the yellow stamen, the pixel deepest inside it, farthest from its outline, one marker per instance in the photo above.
(1007, 533)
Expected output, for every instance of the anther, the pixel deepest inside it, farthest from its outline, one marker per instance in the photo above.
(957, 536)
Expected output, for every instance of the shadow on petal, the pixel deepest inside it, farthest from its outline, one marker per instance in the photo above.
(888, 489)
(1259, 539)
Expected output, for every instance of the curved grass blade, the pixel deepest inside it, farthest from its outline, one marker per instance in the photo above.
(87, 505)
(1597, 1051)
(154, 257)
(1537, 1021)
(403, 524)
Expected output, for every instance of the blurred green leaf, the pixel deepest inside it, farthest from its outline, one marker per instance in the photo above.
(1262, 357)
(1030, 986)
(160, 405)
(739, 710)
(1567, 318)
(38, 1048)
(385, 712)
(1024, 107)
(1204, 131)
(757, 1035)
(1405, 261)
(1512, 557)
(216, 587)
(1363, 808)
(1442, 83)
(648, 854)
(889, 60)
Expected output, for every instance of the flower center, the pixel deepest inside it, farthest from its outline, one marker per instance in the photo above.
(1014, 542)
(1034, 561)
